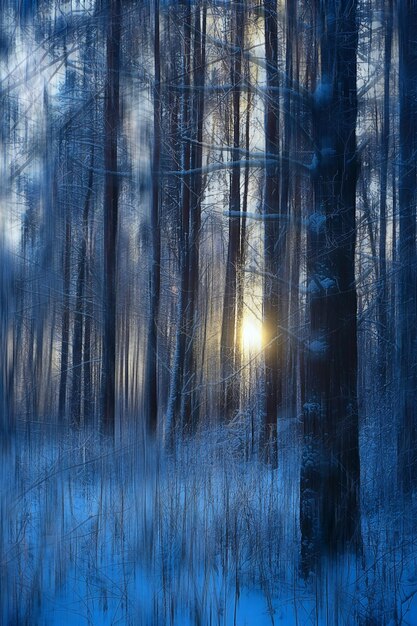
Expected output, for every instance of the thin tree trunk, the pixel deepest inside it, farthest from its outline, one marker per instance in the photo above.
(383, 334)
(407, 291)
(240, 296)
(151, 376)
(65, 321)
(77, 343)
(274, 244)
(88, 405)
(191, 398)
(111, 199)
(229, 336)
(177, 386)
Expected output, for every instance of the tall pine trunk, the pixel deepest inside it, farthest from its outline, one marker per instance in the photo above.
(178, 382)
(79, 315)
(151, 377)
(383, 301)
(407, 289)
(111, 198)
(274, 244)
(65, 319)
(190, 410)
(230, 332)
(329, 497)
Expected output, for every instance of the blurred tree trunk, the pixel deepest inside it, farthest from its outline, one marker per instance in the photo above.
(65, 319)
(177, 384)
(274, 239)
(407, 290)
(294, 116)
(383, 334)
(191, 397)
(88, 404)
(79, 314)
(329, 498)
(230, 345)
(242, 245)
(151, 376)
(111, 198)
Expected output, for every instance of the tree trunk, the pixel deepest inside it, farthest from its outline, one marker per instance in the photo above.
(329, 497)
(230, 333)
(407, 290)
(274, 244)
(191, 398)
(383, 334)
(65, 321)
(151, 377)
(177, 386)
(77, 344)
(111, 197)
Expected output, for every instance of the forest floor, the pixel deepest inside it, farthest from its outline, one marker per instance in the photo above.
(99, 533)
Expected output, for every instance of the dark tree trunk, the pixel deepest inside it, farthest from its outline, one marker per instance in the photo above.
(178, 384)
(242, 246)
(111, 198)
(88, 404)
(294, 116)
(230, 333)
(383, 334)
(274, 244)
(191, 398)
(407, 290)
(287, 351)
(151, 377)
(65, 321)
(77, 343)
(329, 498)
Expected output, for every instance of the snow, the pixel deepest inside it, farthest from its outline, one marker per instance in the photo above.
(327, 152)
(107, 537)
(311, 407)
(323, 93)
(328, 283)
(93, 534)
(318, 346)
(320, 285)
(316, 222)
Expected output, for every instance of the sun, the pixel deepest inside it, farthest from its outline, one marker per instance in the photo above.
(251, 335)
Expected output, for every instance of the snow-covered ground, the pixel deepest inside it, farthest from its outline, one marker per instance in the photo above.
(93, 533)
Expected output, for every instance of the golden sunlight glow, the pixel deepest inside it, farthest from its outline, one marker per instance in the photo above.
(251, 334)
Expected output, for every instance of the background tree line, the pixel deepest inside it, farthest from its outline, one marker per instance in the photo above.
(179, 177)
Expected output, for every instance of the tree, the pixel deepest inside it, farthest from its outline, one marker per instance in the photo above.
(385, 144)
(230, 332)
(151, 379)
(330, 472)
(191, 399)
(77, 344)
(407, 288)
(274, 237)
(111, 208)
(177, 383)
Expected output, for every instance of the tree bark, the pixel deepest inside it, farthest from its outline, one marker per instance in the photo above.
(274, 244)
(65, 321)
(111, 199)
(407, 290)
(191, 402)
(151, 377)
(383, 333)
(230, 332)
(330, 472)
(178, 384)
(77, 344)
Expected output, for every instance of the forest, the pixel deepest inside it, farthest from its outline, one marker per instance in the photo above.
(208, 312)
